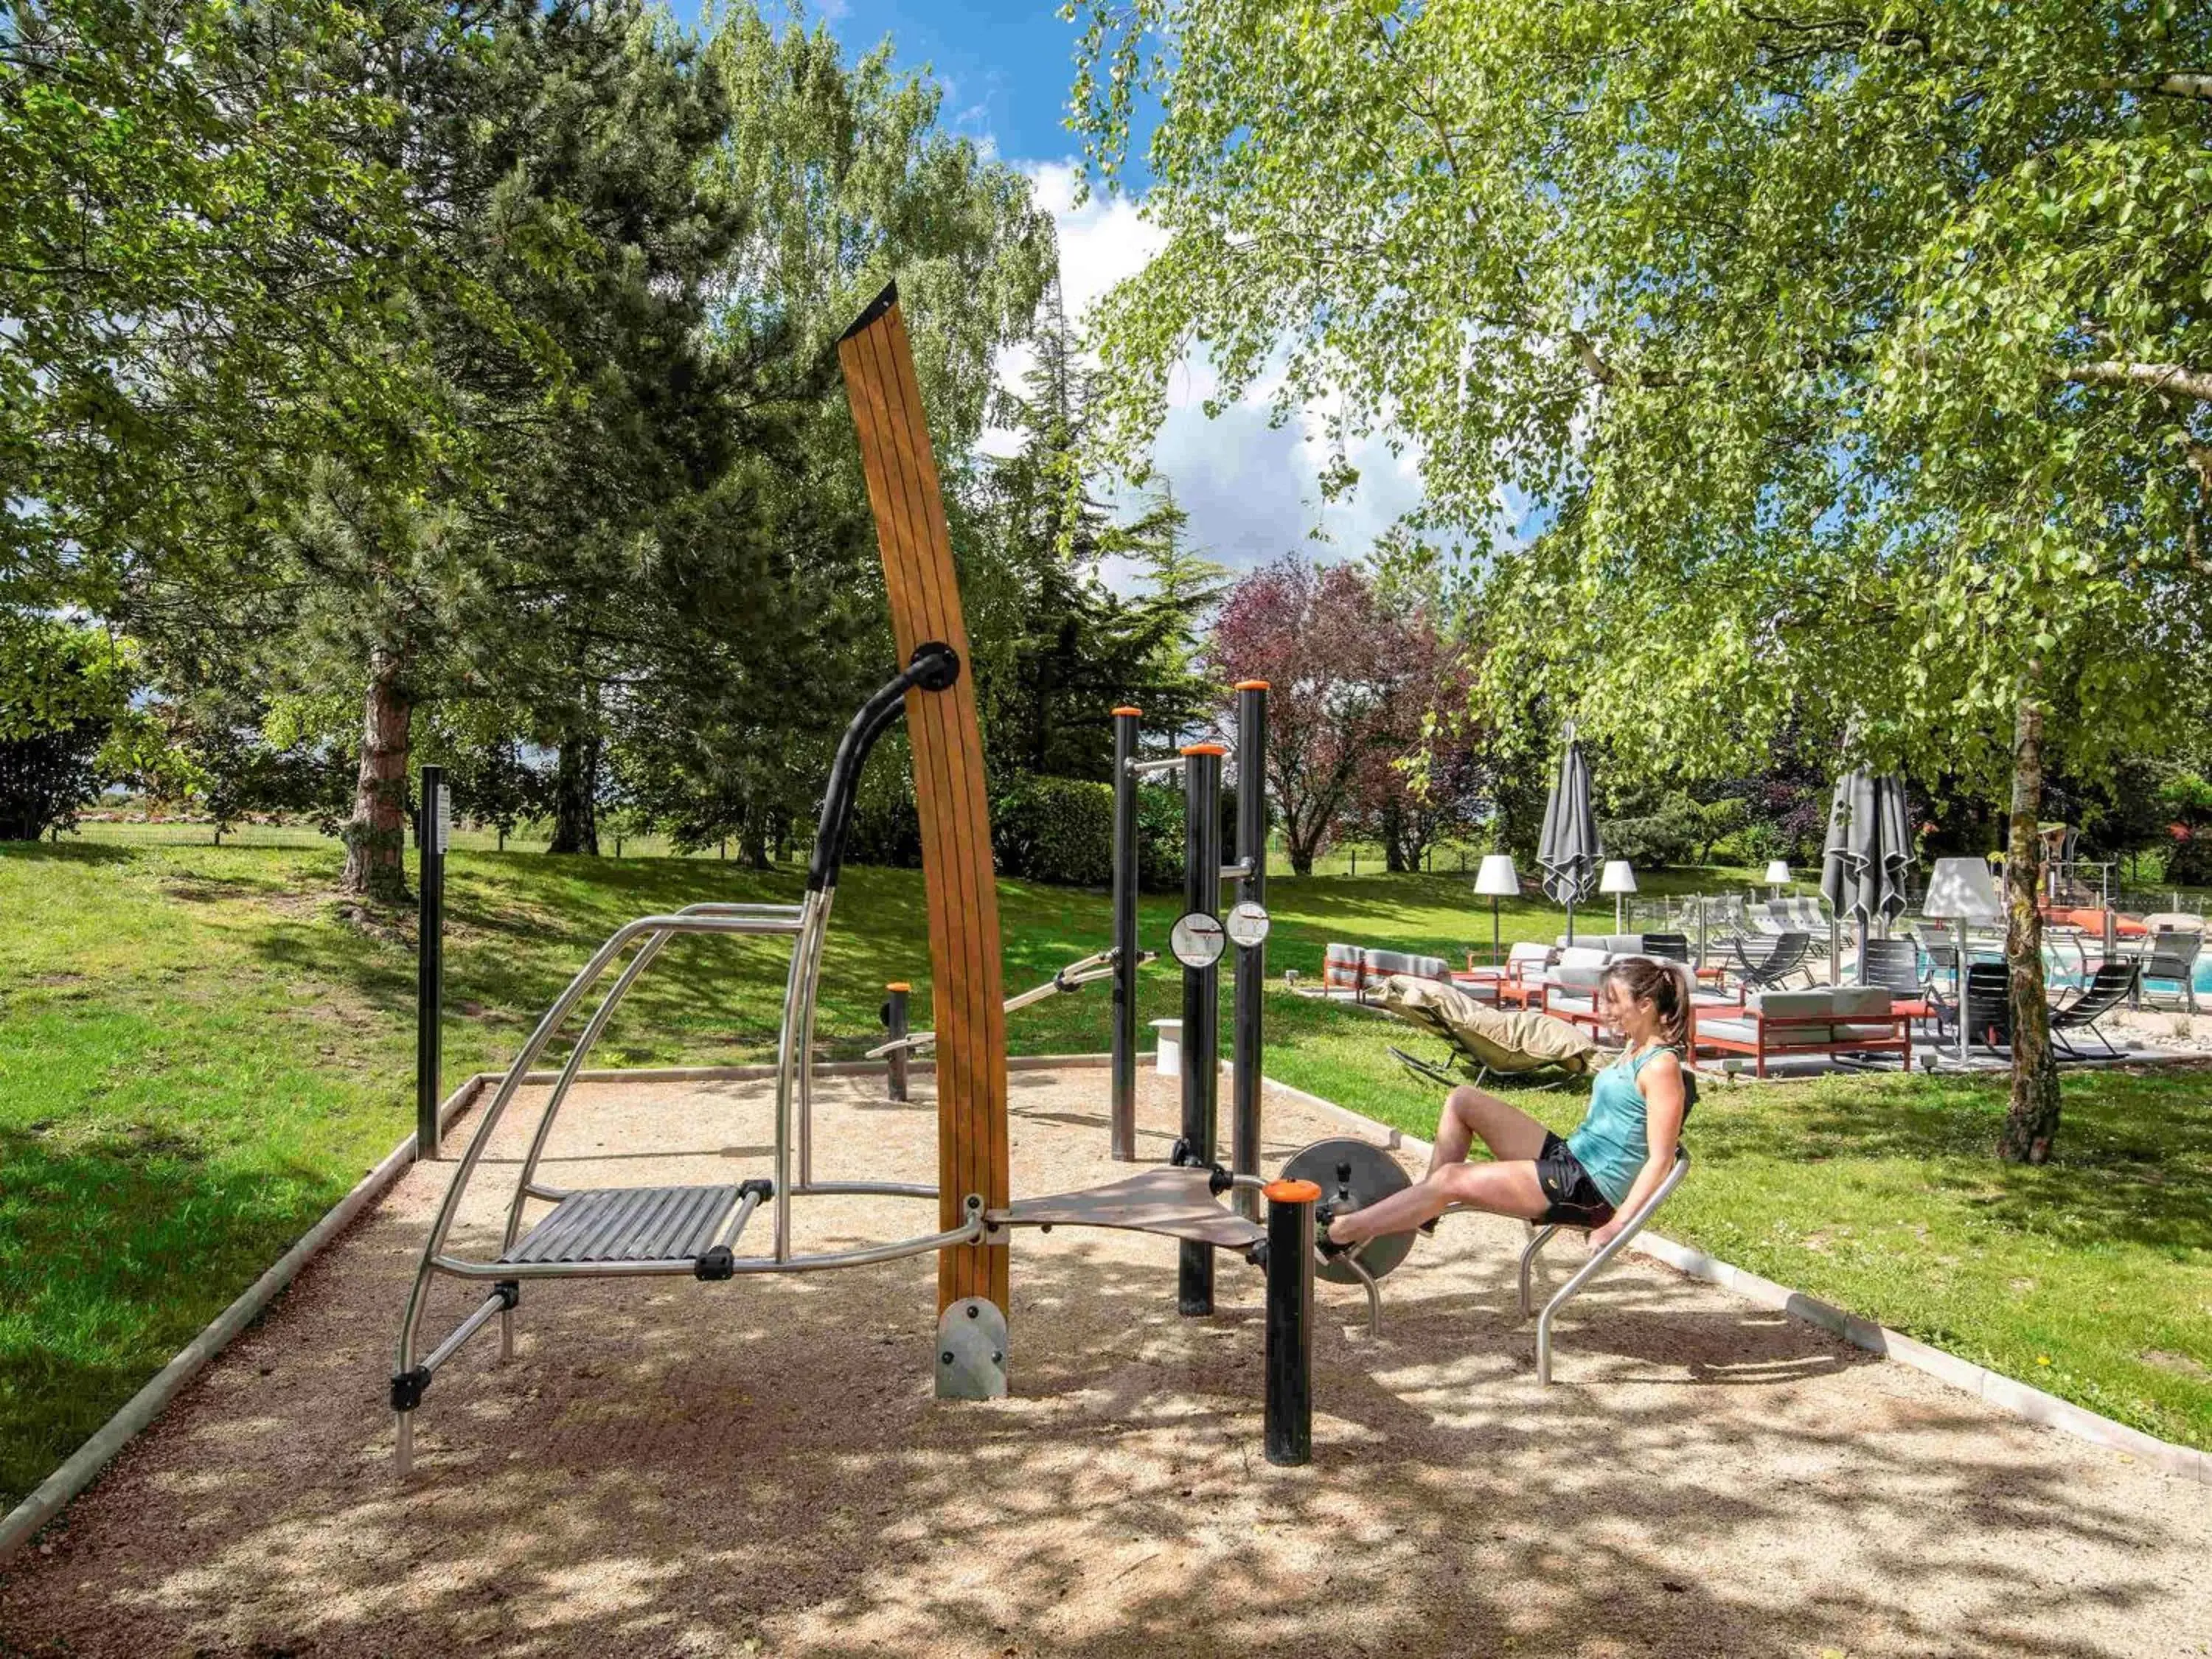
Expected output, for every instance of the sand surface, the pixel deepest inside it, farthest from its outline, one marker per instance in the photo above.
(758, 1466)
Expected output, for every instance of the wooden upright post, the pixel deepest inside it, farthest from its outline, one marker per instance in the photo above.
(948, 785)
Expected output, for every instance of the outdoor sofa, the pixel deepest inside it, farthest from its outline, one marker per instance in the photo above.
(1828, 1019)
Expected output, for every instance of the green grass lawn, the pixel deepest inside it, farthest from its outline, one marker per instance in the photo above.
(200, 1053)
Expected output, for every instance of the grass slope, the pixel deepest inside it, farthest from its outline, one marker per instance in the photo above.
(199, 1054)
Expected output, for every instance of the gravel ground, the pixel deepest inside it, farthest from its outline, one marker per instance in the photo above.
(758, 1466)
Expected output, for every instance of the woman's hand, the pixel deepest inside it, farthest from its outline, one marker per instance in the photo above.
(1602, 1236)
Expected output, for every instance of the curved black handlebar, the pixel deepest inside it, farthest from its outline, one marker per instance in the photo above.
(935, 667)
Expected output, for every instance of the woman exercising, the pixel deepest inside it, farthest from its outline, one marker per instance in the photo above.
(1603, 1172)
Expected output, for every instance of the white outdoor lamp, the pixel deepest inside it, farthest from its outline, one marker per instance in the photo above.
(1496, 880)
(1619, 880)
(1777, 875)
(1960, 890)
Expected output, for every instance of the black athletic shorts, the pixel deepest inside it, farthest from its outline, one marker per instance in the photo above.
(1575, 1199)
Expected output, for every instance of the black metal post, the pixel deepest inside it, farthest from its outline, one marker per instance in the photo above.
(1289, 1320)
(429, 958)
(895, 996)
(1201, 998)
(1123, 1095)
(1251, 960)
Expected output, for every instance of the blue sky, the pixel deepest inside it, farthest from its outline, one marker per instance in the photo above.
(1251, 489)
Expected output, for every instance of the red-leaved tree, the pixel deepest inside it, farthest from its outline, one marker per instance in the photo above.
(1355, 675)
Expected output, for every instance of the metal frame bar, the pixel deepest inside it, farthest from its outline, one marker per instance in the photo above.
(1201, 1002)
(1590, 1269)
(1250, 992)
(441, 1225)
(525, 1187)
(1122, 1093)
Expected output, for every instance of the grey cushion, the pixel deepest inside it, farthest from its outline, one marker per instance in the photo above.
(1791, 1005)
(1728, 1030)
(1560, 1003)
(1860, 1002)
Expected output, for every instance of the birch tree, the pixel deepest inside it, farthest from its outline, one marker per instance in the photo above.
(1858, 358)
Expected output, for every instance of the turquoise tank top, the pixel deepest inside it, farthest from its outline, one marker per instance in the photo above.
(1612, 1142)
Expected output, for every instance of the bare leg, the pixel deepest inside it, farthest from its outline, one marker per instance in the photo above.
(1508, 1187)
(1469, 1112)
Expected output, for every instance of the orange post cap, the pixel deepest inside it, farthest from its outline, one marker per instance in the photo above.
(1253, 685)
(1126, 709)
(1206, 749)
(1291, 1191)
(898, 985)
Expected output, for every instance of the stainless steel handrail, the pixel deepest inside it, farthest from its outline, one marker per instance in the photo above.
(794, 1058)
(563, 1006)
(785, 918)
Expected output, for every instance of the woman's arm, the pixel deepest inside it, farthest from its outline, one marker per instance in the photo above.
(1660, 1083)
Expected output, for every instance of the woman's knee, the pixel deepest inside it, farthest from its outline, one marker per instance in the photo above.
(1464, 1102)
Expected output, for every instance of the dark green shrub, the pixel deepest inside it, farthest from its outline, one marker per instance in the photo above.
(1055, 830)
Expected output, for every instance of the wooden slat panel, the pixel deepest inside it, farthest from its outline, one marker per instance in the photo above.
(948, 763)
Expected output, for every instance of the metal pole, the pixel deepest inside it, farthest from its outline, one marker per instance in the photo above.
(429, 958)
(1251, 960)
(895, 996)
(1123, 1110)
(1958, 986)
(1201, 999)
(1289, 1320)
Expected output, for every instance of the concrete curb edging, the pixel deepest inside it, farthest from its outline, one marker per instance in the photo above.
(99, 1449)
(2183, 1462)
(81, 1465)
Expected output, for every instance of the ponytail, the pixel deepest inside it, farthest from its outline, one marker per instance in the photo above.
(1664, 986)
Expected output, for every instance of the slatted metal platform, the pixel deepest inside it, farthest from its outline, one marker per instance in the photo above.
(627, 1223)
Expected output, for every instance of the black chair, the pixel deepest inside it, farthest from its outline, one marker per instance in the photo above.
(1782, 958)
(2172, 959)
(2114, 983)
(1988, 1013)
(1670, 947)
(1895, 963)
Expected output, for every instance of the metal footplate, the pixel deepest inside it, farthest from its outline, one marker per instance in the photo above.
(628, 1224)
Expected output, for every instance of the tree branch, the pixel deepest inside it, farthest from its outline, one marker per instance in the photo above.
(2188, 382)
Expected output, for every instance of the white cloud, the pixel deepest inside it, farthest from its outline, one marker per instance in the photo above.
(1252, 489)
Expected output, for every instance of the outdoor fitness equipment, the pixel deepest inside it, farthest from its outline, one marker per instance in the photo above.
(1354, 1174)
(1196, 940)
(693, 1232)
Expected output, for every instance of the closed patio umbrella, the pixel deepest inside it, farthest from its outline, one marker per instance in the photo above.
(1867, 851)
(1568, 851)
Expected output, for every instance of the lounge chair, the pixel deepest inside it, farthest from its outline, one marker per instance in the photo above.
(1784, 957)
(1484, 1041)
(1669, 947)
(2114, 983)
(2171, 960)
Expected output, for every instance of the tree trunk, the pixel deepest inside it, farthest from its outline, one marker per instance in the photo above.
(376, 836)
(2032, 1123)
(576, 796)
